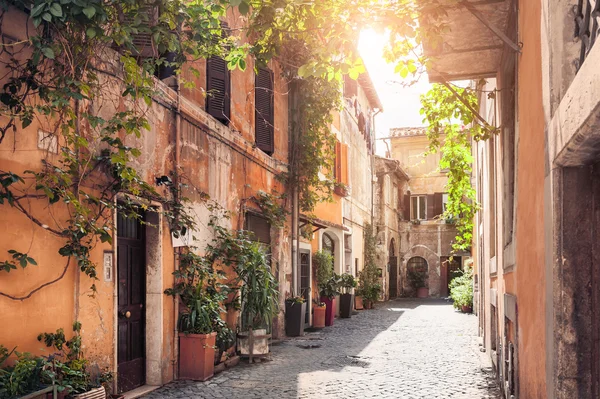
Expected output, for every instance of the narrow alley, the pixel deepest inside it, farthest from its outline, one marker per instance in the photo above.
(405, 348)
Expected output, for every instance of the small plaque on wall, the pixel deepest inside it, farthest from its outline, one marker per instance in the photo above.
(108, 266)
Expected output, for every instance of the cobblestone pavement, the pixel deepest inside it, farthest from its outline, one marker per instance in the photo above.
(402, 349)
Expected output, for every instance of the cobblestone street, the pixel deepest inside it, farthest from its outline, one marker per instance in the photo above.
(401, 349)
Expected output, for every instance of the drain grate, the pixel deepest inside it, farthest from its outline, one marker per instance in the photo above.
(346, 361)
(309, 346)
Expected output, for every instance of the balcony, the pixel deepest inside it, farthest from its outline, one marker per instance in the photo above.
(473, 47)
(587, 14)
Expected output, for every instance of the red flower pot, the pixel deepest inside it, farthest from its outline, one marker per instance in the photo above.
(197, 356)
(330, 311)
(319, 316)
(423, 292)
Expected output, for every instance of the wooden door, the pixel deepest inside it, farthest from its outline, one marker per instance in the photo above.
(131, 340)
(304, 285)
(393, 277)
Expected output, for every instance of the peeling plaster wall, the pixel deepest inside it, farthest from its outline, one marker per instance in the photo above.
(215, 159)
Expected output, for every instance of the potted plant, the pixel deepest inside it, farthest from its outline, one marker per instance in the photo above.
(201, 295)
(369, 281)
(67, 366)
(418, 281)
(347, 284)
(461, 291)
(23, 376)
(358, 299)
(327, 282)
(259, 297)
(319, 310)
(295, 312)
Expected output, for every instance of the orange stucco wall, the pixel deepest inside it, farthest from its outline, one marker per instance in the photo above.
(530, 223)
(215, 159)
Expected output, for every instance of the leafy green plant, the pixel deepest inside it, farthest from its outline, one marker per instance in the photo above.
(331, 287)
(369, 286)
(258, 289)
(347, 283)
(23, 376)
(461, 289)
(295, 300)
(67, 367)
(416, 278)
(200, 290)
(323, 264)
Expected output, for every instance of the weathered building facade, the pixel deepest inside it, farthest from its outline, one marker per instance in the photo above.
(391, 182)
(226, 150)
(535, 239)
(340, 224)
(425, 238)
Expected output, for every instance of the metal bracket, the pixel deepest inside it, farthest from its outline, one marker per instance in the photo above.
(491, 27)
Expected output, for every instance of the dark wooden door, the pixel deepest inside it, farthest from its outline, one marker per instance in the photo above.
(131, 340)
(304, 277)
(393, 277)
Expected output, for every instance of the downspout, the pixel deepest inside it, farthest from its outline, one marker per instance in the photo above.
(176, 250)
(293, 148)
(373, 172)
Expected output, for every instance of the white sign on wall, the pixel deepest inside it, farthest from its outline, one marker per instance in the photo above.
(108, 266)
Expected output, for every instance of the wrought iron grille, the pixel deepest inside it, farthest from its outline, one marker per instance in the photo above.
(587, 13)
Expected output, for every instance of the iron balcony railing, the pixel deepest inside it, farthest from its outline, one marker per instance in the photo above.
(587, 13)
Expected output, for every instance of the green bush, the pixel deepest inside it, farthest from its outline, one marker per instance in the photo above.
(461, 289)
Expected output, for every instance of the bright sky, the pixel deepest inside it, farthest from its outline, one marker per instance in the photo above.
(401, 104)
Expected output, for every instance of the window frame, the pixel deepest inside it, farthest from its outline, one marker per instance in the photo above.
(413, 216)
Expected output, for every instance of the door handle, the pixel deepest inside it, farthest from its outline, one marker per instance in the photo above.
(125, 314)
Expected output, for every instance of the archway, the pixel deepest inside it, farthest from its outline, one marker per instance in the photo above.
(417, 272)
(393, 269)
(328, 244)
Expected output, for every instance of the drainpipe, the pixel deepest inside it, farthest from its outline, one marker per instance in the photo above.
(373, 173)
(292, 151)
(176, 250)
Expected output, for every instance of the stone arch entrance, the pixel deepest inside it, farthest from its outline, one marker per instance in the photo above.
(419, 266)
(393, 269)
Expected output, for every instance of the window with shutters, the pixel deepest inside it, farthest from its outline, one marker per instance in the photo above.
(142, 19)
(259, 227)
(418, 207)
(264, 112)
(218, 93)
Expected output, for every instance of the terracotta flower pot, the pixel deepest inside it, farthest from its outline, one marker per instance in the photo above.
(466, 309)
(197, 356)
(423, 292)
(319, 316)
(358, 303)
(367, 304)
(330, 312)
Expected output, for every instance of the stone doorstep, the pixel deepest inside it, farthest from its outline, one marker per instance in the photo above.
(140, 391)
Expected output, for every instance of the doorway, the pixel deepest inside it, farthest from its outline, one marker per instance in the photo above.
(305, 283)
(131, 312)
(450, 269)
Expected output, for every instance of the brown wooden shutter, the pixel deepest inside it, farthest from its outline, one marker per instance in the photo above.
(264, 112)
(406, 210)
(430, 207)
(218, 89)
(260, 227)
(438, 207)
(337, 172)
(143, 45)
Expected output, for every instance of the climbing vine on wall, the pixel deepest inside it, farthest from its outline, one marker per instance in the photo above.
(450, 113)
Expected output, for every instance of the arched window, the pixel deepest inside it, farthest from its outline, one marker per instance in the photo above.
(392, 249)
(417, 264)
(328, 244)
